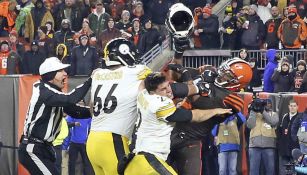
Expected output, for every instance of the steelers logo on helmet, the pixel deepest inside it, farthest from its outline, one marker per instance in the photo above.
(119, 51)
(234, 74)
(179, 21)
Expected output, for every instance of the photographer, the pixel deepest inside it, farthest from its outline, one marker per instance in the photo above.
(285, 142)
(262, 142)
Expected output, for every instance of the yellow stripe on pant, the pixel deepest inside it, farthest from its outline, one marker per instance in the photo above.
(139, 165)
(104, 149)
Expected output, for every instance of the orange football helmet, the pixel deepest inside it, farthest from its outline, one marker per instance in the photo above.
(234, 74)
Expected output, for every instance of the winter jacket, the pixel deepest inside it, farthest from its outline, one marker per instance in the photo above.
(285, 143)
(268, 85)
(31, 62)
(98, 23)
(271, 37)
(299, 128)
(84, 60)
(149, 39)
(209, 38)
(253, 36)
(283, 81)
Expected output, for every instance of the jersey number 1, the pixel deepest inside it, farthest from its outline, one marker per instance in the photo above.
(106, 107)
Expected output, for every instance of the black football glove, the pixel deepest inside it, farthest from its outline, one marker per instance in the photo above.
(181, 44)
(203, 88)
(185, 74)
(209, 76)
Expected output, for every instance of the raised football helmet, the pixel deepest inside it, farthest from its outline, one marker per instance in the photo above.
(234, 74)
(179, 21)
(119, 51)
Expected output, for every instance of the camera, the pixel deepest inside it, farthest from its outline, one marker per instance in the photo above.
(258, 105)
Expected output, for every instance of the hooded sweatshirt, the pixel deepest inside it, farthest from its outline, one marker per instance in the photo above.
(268, 85)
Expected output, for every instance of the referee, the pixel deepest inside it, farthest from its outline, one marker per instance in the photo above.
(44, 116)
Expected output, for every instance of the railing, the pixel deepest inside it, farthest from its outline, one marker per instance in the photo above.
(155, 51)
(196, 58)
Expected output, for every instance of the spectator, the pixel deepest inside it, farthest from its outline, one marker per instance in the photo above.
(262, 121)
(256, 79)
(264, 10)
(197, 15)
(33, 59)
(61, 54)
(292, 31)
(38, 16)
(45, 43)
(15, 45)
(299, 132)
(273, 59)
(71, 11)
(299, 73)
(138, 12)
(253, 30)
(3, 26)
(207, 29)
(117, 7)
(239, 24)
(272, 25)
(50, 30)
(283, 77)
(4, 53)
(150, 38)
(243, 54)
(108, 34)
(84, 58)
(87, 31)
(78, 137)
(25, 9)
(98, 19)
(158, 16)
(229, 29)
(285, 142)
(228, 142)
(300, 160)
(124, 23)
(65, 35)
(302, 9)
(136, 32)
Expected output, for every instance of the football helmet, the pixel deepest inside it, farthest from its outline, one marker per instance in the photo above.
(179, 21)
(234, 74)
(119, 51)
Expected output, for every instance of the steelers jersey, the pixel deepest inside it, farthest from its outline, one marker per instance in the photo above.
(153, 132)
(113, 95)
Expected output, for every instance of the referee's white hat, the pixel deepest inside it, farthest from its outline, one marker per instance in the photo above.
(51, 64)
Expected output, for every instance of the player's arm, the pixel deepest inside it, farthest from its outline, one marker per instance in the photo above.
(78, 111)
(181, 90)
(196, 115)
(168, 111)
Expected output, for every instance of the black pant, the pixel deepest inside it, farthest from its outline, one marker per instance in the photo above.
(58, 162)
(187, 159)
(74, 149)
(38, 158)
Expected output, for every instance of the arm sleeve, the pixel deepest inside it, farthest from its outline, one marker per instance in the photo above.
(180, 90)
(302, 170)
(55, 98)
(271, 119)
(295, 127)
(275, 75)
(77, 111)
(180, 115)
(251, 121)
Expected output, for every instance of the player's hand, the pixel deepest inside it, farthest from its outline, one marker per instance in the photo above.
(185, 74)
(181, 44)
(209, 76)
(203, 88)
(77, 124)
(220, 111)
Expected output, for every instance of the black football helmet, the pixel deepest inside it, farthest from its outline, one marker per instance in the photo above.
(119, 51)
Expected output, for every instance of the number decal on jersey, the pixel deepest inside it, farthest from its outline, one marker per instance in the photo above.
(110, 102)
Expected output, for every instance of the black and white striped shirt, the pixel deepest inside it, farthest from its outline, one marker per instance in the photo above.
(45, 111)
